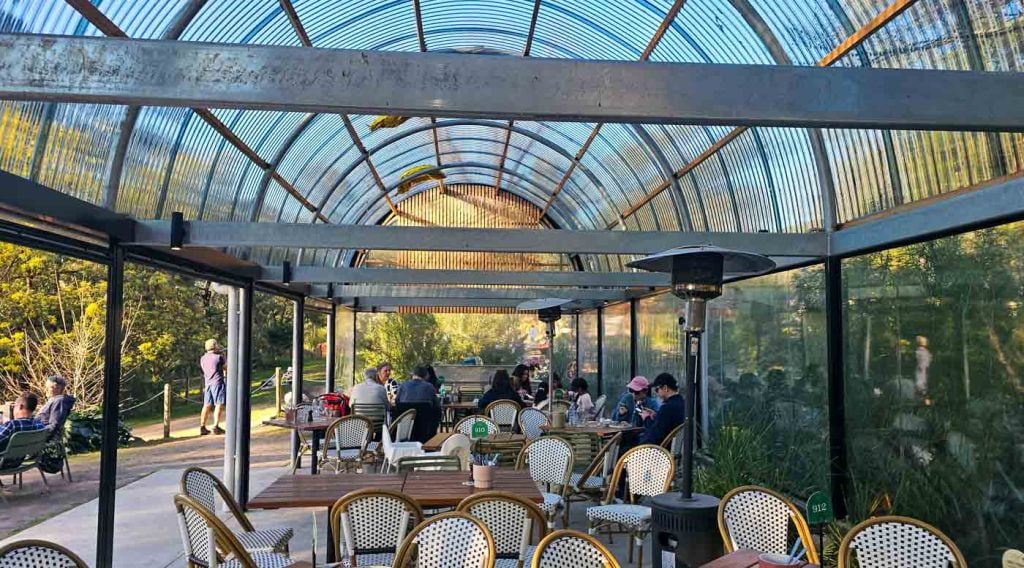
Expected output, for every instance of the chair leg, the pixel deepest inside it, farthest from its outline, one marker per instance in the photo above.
(639, 552)
(629, 547)
(67, 464)
(43, 475)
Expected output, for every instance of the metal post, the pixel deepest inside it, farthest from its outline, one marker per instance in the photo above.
(838, 473)
(231, 412)
(332, 317)
(691, 349)
(632, 338)
(167, 410)
(278, 390)
(297, 330)
(355, 331)
(579, 365)
(111, 400)
(600, 351)
(551, 369)
(244, 401)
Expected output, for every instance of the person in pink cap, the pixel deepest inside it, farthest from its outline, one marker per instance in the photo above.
(634, 402)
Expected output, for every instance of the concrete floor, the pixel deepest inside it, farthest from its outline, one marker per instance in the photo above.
(146, 530)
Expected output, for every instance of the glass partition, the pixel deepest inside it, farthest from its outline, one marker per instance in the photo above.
(344, 349)
(934, 353)
(767, 392)
(587, 361)
(616, 348)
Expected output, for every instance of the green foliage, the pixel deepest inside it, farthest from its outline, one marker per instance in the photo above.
(404, 340)
(84, 432)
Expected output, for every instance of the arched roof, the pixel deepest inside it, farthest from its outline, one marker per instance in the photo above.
(151, 161)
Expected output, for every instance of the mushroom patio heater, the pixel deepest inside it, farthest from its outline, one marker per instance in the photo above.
(549, 310)
(697, 272)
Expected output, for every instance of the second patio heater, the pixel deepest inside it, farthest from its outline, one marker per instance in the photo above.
(697, 276)
(549, 310)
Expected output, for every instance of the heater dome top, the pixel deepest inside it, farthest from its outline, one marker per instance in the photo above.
(735, 263)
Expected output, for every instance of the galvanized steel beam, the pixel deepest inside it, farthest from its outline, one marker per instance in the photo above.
(325, 275)
(127, 71)
(377, 237)
(376, 290)
(369, 303)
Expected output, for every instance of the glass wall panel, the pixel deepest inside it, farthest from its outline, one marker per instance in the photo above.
(565, 345)
(934, 353)
(657, 344)
(344, 349)
(587, 361)
(767, 396)
(616, 348)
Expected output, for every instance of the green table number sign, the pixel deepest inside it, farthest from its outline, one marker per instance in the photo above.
(479, 430)
(819, 509)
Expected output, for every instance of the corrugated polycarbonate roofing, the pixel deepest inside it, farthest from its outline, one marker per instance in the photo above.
(767, 179)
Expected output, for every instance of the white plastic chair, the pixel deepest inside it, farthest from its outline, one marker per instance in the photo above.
(530, 421)
(550, 462)
(449, 540)
(394, 451)
(649, 471)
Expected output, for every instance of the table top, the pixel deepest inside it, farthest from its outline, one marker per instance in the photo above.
(429, 488)
(741, 559)
(603, 431)
(434, 444)
(318, 424)
(461, 405)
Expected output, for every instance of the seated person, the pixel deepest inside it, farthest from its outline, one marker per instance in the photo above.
(542, 390)
(501, 389)
(671, 413)
(55, 412)
(636, 399)
(369, 391)
(22, 422)
(585, 409)
(521, 382)
(417, 389)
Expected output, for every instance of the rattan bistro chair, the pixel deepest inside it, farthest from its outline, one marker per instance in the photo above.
(449, 540)
(898, 542)
(517, 525)
(503, 413)
(347, 439)
(757, 518)
(530, 421)
(38, 554)
(465, 426)
(203, 487)
(592, 482)
(649, 471)
(370, 524)
(549, 460)
(571, 548)
(205, 536)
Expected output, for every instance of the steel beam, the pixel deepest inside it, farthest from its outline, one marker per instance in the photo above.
(368, 303)
(168, 73)
(380, 291)
(993, 203)
(36, 201)
(324, 275)
(379, 237)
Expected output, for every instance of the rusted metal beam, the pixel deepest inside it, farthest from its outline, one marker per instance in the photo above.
(841, 50)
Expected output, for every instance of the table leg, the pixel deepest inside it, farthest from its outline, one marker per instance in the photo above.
(316, 451)
(330, 539)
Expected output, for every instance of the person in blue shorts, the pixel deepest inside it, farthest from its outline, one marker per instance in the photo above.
(215, 391)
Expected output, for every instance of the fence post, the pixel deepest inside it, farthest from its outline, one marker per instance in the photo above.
(167, 410)
(277, 390)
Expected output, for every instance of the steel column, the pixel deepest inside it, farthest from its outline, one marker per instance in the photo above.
(332, 318)
(298, 320)
(111, 407)
(600, 351)
(838, 467)
(632, 338)
(245, 402)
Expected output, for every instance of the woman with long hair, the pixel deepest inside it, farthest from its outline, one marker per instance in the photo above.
(501, 389)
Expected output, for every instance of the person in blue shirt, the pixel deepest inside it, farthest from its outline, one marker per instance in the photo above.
(672, 412)
(22, 422)
(636, 397)
(417, 389)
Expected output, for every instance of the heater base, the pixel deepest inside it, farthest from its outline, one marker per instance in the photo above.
(691, 524)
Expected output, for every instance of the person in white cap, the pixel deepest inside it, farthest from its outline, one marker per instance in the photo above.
(637, 396)
(215, 392)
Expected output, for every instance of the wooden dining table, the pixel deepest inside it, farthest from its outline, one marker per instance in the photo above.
(437, 440)
(604, 431)
(428, 488)
(741, 559)
(316, 428)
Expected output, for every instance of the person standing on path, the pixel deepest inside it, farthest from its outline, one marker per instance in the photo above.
(215, 390)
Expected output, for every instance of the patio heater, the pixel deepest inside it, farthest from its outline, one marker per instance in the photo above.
(697, 272)
(549, 310)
